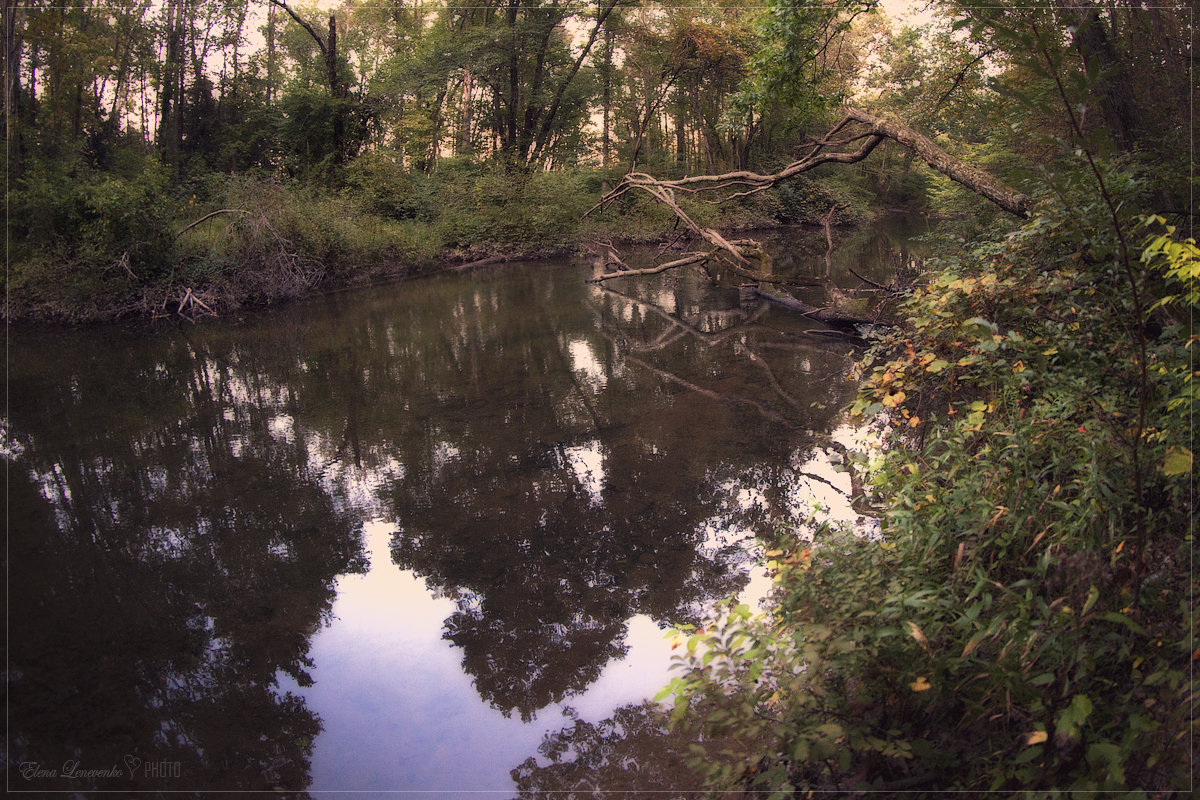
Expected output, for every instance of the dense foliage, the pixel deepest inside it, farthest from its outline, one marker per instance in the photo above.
(1024, 619)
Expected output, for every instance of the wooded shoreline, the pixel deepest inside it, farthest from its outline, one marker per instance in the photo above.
(279, 263)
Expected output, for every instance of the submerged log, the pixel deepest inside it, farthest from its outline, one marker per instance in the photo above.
(828, 316)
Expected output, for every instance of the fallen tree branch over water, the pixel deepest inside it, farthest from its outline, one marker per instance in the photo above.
(877, 130)
(828, 316)
(738, 256)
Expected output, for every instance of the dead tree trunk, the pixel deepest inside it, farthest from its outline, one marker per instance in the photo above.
(975, 179)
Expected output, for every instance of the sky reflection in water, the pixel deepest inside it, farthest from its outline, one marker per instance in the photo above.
(390, 539)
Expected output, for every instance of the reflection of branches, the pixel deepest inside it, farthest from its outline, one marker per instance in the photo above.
(680, 327)
(760, 362)
(858, 497)
(683, 325)
(708, 339)
(724, 397)
(745, 329)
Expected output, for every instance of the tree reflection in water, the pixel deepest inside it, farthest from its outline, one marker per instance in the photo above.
(631, 751)
(555, 457)
(171, 554)
(551, 545)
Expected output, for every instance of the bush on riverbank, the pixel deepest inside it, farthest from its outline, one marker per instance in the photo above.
(99, 246)
(1024, 622)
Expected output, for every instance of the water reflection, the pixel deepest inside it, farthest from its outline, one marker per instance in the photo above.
(171, 553)
(630, 751)
(245, 550)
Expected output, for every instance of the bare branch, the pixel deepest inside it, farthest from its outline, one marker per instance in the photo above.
(735, 255)
(866, 280)
(693, 258)
(877, 130)
(961, 76)
(209, 215)
(311, 32)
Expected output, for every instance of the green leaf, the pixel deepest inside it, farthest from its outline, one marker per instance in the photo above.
(1092, 597)
(831, 730)
(1073, 716)
(937, 365)
(1109, 755)
(667, 690)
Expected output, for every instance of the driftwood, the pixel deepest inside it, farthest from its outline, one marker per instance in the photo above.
(828, 316)
(190, 305)
(483, 262)
(601, 263)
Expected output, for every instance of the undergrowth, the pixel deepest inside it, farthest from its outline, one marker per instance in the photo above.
(89, 246)
(1025, 621)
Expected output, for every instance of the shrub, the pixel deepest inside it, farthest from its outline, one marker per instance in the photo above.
(379, 183)
(1024, 622)
(80, 241)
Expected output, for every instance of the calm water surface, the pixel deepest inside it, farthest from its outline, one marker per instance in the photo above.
(419, 537)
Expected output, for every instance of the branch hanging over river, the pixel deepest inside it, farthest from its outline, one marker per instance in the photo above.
(874, 131)
(856, 126)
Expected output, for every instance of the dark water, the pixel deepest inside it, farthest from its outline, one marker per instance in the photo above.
(394, 538)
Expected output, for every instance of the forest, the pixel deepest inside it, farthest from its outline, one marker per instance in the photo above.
(1025, 618)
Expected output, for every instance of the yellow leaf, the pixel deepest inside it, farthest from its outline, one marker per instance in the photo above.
(1037, 737)
(1177, 462)
(920, 684)
(914, 422)
(893, 400)
(916, 632)
(773, 553)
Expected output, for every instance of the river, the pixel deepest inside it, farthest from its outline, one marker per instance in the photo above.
(427, 536)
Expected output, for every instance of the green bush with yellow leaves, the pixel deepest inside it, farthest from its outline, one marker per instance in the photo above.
(1023, 622)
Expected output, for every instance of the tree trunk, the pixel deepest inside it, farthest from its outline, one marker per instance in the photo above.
(270, 54)
(1117, 102)
(679, 118)
(13, 14)
(468, 110)
(336, 91)
(509, 139)
(973, 178)
(168, 143)
(606, 99)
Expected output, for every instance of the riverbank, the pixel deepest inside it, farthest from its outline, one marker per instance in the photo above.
(1025, 618)
(132, 248)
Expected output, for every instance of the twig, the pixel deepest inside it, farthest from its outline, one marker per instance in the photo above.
(887, 289)
(694, 258)
(210, 215)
